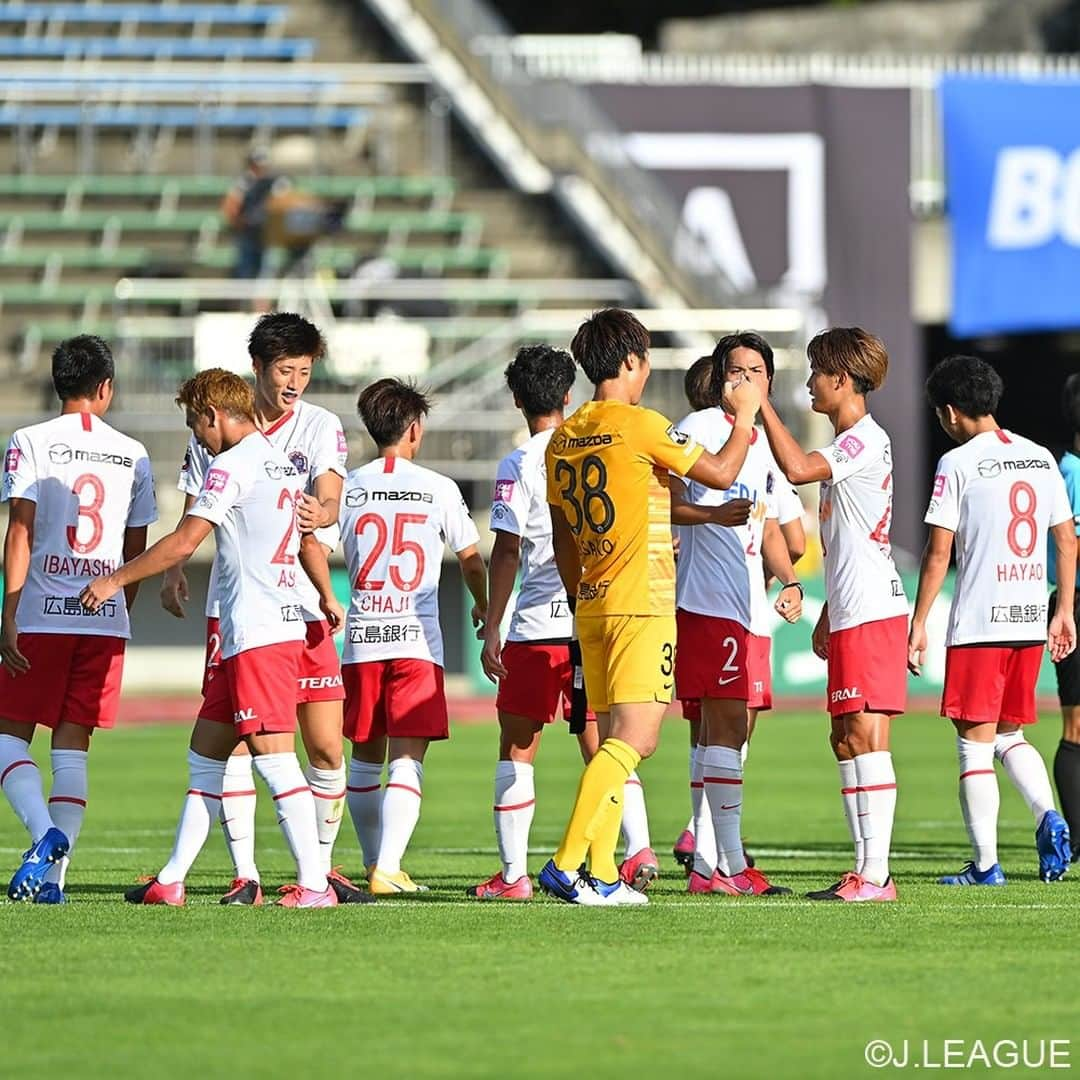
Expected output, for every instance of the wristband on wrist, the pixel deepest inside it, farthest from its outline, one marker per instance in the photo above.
(793, 585)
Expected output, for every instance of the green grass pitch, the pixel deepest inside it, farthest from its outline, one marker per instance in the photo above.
(442, 986)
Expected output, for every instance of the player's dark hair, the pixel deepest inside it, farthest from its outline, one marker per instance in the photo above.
(1070, 401)
(697, 384)
(80, 365)
(388, 407)
(744, 339)
(540, 377)
(605, 340)
(968, 384)
(283, 334)
(850, 351)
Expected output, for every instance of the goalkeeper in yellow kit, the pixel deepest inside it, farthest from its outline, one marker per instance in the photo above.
(611, 516)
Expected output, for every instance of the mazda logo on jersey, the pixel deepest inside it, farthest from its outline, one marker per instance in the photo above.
(300, 463)
(988, 468)
(60, 454)
(356, 497)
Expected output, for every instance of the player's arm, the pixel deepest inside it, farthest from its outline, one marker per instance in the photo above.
(475, 574)
(178, 546)
(134, 546)
(18, 543)
(174, 585)
(794, 539)
(795, 463)
(774, 550)
(316, 565)
(567, 559)
(932, 571)
(502, 574)
(319, 511)
(683, 512)
(721, 469)
(1061, 635)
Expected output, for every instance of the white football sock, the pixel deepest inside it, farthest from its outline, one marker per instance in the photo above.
(21, 782)
(979, 799)
(364, 796)
(693, 805)
(400, 811)
(328, 789)
(295, 808)
(744, 752)
(205, 779)
(876, 801)
(635, 819)
(238, 816)
(723, 789)
(704, 835)
(1025, 767)
(515, 803)
(851, 810)
(67, 803)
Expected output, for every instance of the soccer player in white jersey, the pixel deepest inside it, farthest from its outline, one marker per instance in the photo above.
(997, 494)
(249, 499)
(283, 349)
(80, 496)
(698, 386)
(723, 626)
(862, 631)
(396, 518)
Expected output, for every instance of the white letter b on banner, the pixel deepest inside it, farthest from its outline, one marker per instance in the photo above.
(1024, 200)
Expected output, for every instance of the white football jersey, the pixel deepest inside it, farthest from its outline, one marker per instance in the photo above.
(721, 572)
(861, 581)
(90, 483)
(250, 493)
(999, 493)
(520, 507)
(789, 506)
(395, 518)
(313, 439)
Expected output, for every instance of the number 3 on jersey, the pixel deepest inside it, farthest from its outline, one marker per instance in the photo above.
(374, 523)
(91, 511)
(591, 504)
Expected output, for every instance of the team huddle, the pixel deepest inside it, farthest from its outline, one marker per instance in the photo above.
(611, 622)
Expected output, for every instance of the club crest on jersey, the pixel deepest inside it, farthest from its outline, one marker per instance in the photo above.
(299, 461)
(216, 479)
(851, 445)
(356, 497)
(60, 454)
(679, 438)
(504, 490)
(770, 483)
(11, 459)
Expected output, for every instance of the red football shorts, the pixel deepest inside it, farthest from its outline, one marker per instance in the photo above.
(985, 684)
(691, 709)
(537, 677)
(73, 677)
(213, 651)
(320, 667)
(255, 690)
(868, 668)
(720, 658)
(403, 699)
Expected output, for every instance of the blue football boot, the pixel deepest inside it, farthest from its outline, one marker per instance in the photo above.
(28, 879)
(50, 893)
(993, 875)
(1052, 841)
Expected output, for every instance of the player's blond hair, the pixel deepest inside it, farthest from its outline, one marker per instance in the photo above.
(219, 389)
(851, 351)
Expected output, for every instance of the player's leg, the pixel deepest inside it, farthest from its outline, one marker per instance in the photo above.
(683, 848)
(365, 728)
(640, 866)
(1024, 765)
(980, 801)
(68, 755)
(867, 736)
(416, 715)
(1067, 757)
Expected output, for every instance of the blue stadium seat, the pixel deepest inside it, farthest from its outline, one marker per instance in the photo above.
(160, 14)
(176, 83)
(182, 116)
(151, 48)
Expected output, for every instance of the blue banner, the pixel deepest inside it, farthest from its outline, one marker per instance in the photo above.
(1012, 170)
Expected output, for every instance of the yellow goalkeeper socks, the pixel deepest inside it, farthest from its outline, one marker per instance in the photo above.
(594, 822)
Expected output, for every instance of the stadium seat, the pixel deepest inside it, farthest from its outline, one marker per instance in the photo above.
(158, 14)
(151, 48)
(183, 116)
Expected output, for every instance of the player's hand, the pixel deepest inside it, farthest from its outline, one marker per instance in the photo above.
(491, 656)
(97, 592)
(733, 512)
(819, 640)
(663, 477)
(1060, 638)
(310, 514)
(174, 591)
(479, 620)
(916, 648)
(789, 604)
(10, 656)
(743, 397)
(334, 612)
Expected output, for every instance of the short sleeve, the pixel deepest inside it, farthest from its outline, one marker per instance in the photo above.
(789, 506)
(1063, 506)
(944, 508)
(329, 536)
(221, 491)
(331, 449)
(664, 444)
(848, 454)
(193, 469)
(143, 510)
(510, 499)
(20, 470)
(459, 529)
